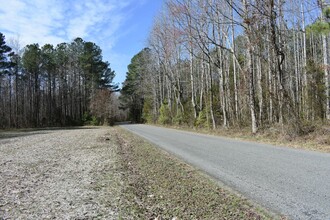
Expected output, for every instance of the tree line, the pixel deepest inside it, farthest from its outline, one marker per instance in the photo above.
(63, 85)
(234, 63)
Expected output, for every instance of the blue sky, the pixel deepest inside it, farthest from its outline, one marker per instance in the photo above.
(119, 27)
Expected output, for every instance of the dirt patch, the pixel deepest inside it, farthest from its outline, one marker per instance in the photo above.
(63, 174)
(159, 186)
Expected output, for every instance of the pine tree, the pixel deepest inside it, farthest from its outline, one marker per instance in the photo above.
(5, 53)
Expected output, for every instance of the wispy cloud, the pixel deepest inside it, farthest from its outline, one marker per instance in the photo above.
(55, 21)
(31, 20)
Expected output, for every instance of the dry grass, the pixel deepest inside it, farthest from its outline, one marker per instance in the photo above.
(316, 136)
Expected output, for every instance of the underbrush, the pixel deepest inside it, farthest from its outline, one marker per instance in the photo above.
(311, 135)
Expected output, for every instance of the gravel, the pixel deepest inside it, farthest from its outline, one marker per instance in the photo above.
(59, 174)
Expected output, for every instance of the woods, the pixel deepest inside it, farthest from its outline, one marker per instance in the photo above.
(234, 63)
(60, 85)
(208, 63)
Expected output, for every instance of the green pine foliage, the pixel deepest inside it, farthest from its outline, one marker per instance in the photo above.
(147, 115)
(5, 54)
(321, 26)
(201, 121)
(134, 91)
(164, 115)
(326, 12)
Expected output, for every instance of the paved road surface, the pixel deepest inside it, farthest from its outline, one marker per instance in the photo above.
(292, 182)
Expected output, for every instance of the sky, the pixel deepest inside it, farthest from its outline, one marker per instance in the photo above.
(119, 27)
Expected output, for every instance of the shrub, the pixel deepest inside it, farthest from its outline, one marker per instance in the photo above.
(147, 111)
(164, 115)
(86, 118)
(178, 119)
(95, 121)
(201, 120)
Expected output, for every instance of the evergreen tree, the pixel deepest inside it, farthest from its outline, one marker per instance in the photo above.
(133, 91)
(5, 65)
(5, 53)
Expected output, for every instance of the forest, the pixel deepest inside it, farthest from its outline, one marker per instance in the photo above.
(64, 85)
(233, 63)
(207, 63)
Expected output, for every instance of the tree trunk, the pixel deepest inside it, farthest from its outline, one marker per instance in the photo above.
(326, 76)
(250, 69)
(193, 102)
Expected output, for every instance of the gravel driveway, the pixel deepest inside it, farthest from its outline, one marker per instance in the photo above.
(58, 174)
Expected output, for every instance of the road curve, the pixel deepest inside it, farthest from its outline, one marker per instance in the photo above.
(295, 183)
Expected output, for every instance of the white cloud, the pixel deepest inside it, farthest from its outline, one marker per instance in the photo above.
(32, 21)
(55, 21)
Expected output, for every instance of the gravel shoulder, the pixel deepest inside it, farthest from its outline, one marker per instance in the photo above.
(63, 174)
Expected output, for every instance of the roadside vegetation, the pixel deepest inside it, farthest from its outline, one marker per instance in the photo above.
(317, 137)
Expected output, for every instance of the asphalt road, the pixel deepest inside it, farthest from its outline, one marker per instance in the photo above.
(295, 183)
